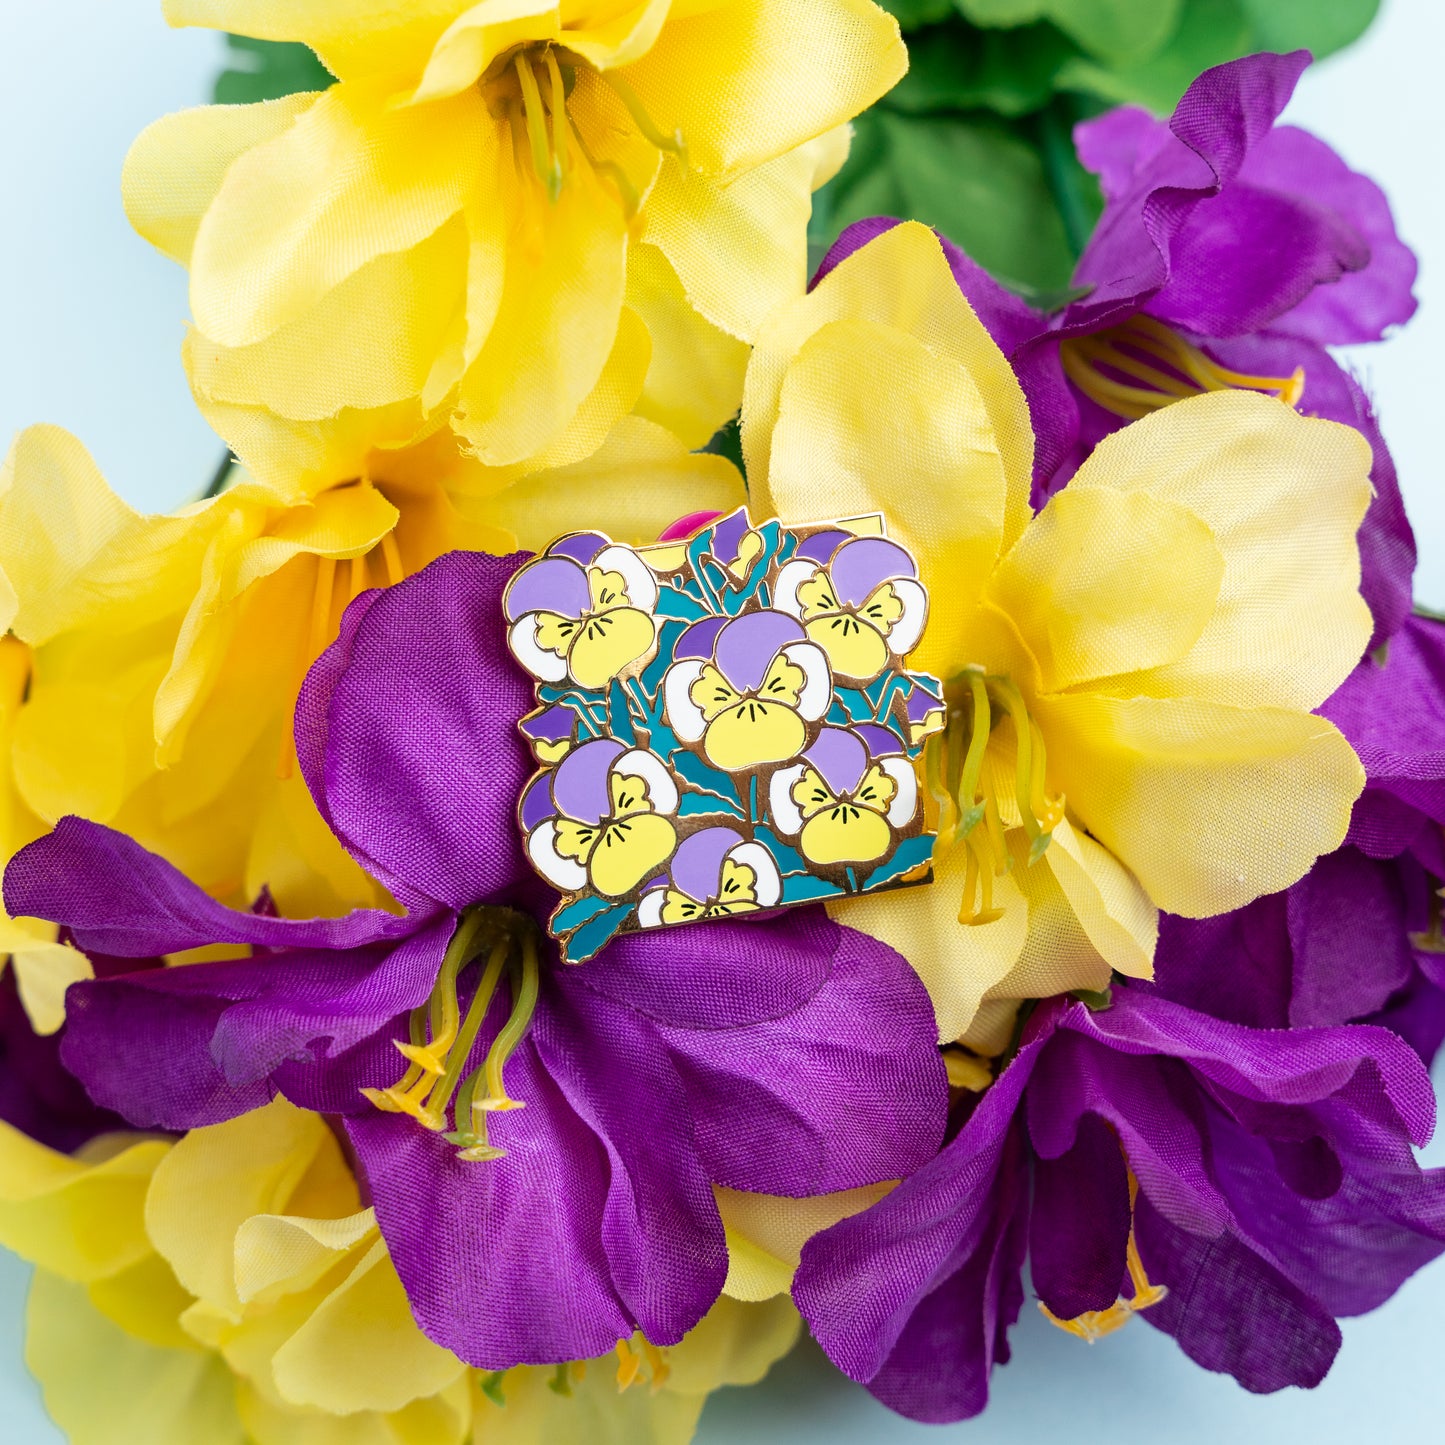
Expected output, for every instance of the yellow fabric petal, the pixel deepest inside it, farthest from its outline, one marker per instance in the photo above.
(1284, 496)
(766, 1234)
(146, 1301)
(907, 435)
(479, 36)
(217, 1178)
(695, 378)
(279, 1254)
(352, 37)
(740, 249)
(958, 963)
(900, 280)
(1109, 902)
(779, 75)
(44, 969)
(1209, 806)
(176, 165)
(1105, 582)
(735, 1343)
(82, 1221)
(348, 181)
(103, 1386)
(639, 481)
(443, 1419)
(361, 1349)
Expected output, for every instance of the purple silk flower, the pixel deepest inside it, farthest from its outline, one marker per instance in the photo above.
(790, 1057)
(1276, 1190)
(1231, 252)
(1359, 937)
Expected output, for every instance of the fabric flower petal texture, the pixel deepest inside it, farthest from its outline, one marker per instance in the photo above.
(1150, 1159)
(1130, 674)
(747, 1055)
(466, 222)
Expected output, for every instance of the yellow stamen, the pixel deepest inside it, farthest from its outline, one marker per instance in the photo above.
(559, 114)
(627, 194)
(673, 144)
(631, 1354)
(1114, 369)
(547, 165)
(629, 1363)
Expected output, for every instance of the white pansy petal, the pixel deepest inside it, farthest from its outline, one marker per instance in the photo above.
(791, 576)
(683, 714)
(566, 874)
(905, 799)
(649, 911)
(817, 693)
(904, 634)
(540, 663)
(661, 788)
(640, 579)
(787, 817)
(768, 884)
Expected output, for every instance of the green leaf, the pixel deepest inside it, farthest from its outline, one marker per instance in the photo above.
(913, 13)
(909, 854)
(1322, 26)
(267, 70)
(1212, 31)
(955, 67)
(1002, 12)
(1118, 32)
(595, 933)
(971, 177)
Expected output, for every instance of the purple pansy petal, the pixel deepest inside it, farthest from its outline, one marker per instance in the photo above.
(117, 898)
(881, 742)
(699, 639)
(503, 1261)
(720, 975)
(1080, 1223)
(840, 758)
(536, 803)
(1219, 1292)
(747, 645)
(846, 1090)
(1364, 304)
(581, 547)
(821, 546)
(697, 865)
(660, 1226)
(549, 584)
(579, 786)
(555, 724)
(861, 1281)
(728, 534)
(859, 567)
(424, 763)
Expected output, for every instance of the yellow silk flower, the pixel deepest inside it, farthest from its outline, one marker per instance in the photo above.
(158, 658)
(230, 1288)
(463, 221)
(1130, 673)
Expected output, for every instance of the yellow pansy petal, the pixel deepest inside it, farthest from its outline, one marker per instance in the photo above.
(628, 851)
(785, 74)
(753, 733)
(176, 165)
(639, 481)
(609, 642)
(352, 37)
(854, 648)
(367, 343)
(816, 595)
(361, 1349)
(908, 435)
(901, 280)
(1105, 582)
(735, 1343)
(711, 693)
(82, 1221)
(348, 181)
(695, 378)
(845, 834)
(1109, 902)
(1209, 806)
(766, 1234)
(44, 969)
(103, 1386)
(958, 963)
(215, 1179)
(1290, 623)
(740, 248)
(558, 317)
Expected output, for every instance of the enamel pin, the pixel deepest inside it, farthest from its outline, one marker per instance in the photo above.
(725, 722)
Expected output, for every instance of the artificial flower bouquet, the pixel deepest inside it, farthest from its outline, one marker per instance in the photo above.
(529, 895)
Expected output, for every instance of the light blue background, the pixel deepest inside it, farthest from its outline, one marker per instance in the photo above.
(90, 326)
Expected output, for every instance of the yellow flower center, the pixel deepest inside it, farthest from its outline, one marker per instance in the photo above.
(441, 1040)
(530, 86)
(632, 1355)
(1134, 369)
(956, 777)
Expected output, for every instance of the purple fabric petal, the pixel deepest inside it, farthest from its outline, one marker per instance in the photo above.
(847, 1089)
(1080, 1223)
(747, 645)
(1364, 304)
(579, 786)
(424, 763)
(116, 898)
(722, 974)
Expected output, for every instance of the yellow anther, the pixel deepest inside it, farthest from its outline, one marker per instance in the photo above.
(966, 1071)
(657, 1363)
(629, 1364)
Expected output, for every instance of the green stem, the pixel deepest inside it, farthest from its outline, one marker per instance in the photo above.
(1053, 130)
